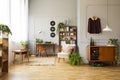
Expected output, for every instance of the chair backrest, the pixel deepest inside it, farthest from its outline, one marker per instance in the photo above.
(68, 48)
(59, 48)
(40, 48)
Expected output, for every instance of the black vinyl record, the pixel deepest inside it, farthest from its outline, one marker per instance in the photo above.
(52, 34)
(52, 29)
(52, 23)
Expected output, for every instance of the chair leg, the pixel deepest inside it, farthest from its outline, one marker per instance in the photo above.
(63, 59)
(46, 53)
(39, 53)
(58, 59)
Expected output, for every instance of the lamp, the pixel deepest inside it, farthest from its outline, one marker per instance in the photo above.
(39, 32)
(107, 26)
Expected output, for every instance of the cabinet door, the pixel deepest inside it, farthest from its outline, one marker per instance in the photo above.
(107, 53)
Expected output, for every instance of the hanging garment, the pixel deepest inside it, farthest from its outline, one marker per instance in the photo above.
(94, 25)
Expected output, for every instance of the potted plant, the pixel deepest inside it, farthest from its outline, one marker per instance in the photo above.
(24, 44)
(60, 27)
(37, 40)
(5, 28)
(67, 41)
(116, 44)
(75, 59)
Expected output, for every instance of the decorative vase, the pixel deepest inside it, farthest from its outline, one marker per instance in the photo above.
(91, 42)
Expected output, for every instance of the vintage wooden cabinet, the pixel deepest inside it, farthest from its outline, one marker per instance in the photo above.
(101, 53)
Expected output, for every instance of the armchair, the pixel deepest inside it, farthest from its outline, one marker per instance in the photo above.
(65, 50)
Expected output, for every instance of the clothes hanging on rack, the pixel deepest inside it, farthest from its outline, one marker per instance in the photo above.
(94, 25)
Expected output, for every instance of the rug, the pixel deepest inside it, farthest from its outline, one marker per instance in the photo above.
(42, 61)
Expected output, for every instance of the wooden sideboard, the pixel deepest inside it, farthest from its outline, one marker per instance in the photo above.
(101, 53)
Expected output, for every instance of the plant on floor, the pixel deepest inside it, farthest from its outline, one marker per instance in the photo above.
(5, 28)
(75, 59)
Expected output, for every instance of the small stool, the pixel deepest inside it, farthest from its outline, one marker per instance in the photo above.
(41, 50)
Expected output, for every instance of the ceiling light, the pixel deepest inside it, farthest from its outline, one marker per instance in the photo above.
(107, 26)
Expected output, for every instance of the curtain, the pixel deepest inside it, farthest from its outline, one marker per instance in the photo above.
(4, 12)
(14, 13)
(19, 18)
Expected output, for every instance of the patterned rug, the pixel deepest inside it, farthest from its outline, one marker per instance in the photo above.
(42, 61)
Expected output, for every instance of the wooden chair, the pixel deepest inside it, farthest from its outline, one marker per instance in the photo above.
(41, 51)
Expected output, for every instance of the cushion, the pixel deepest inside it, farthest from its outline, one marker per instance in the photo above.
(62, 55)
(68, 48)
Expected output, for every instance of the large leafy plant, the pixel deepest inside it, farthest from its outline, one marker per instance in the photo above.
(75, 59)
(5, 28)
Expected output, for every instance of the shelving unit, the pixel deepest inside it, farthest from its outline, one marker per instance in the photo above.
(101, 53)
(68, 34)
(3, 53)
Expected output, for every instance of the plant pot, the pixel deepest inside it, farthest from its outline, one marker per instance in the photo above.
(61, 29)
(3, 34)
(24, 47)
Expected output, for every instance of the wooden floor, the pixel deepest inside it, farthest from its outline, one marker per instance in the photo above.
(62, 71)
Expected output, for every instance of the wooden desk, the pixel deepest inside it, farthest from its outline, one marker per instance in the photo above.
(21, 53)
(51, 45)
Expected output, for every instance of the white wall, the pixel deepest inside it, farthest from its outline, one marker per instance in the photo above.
(41, 12)
(89, 8)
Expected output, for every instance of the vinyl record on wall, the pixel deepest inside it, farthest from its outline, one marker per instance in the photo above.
(52, 34)
(52, 23)
(52, 29)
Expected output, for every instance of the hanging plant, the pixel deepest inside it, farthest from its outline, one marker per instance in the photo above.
(5, 28)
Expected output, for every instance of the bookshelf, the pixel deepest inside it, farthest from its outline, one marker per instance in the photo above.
(69, 35)
(3, 53)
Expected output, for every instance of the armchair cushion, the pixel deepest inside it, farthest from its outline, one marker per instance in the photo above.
(68, 48)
